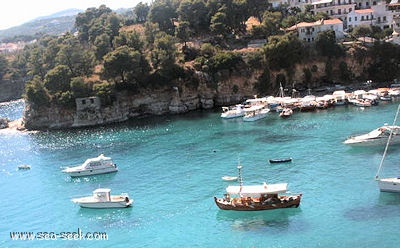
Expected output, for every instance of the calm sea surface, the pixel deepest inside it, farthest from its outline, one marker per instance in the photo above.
(172, 168)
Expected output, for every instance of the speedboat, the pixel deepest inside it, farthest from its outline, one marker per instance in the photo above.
(378, 136)
(256, 113)
(233, 112)
(92, 166)
(102, 198)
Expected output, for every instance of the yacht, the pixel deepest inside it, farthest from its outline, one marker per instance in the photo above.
(92, 166)
(378, 136)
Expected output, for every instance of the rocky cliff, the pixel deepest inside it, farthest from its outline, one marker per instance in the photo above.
(225, 87)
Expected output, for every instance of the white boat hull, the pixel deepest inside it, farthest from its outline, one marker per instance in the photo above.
(81, 173)
(389, 184)
(119, 204)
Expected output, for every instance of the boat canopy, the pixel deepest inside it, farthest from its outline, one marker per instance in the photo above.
(93, 162)
(257, 190)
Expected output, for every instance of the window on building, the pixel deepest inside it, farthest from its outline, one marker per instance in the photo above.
(379, 19)
(350, 10)
(83, 101)
(355, 18)
(366, 3)
(339, 11)
(384, 18)
(349, 19)
(362, 18)
(374, 3)
(331, 12)
(359, 5)
(91, 100)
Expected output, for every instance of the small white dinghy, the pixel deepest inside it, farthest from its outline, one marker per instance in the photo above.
(229, 178)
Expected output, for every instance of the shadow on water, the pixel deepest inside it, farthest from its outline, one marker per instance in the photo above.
(278, 219)
(92, 179)
(106, 218)
(386, 205)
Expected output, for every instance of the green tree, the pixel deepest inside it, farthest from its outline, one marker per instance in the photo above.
(36, 94)
(361, 31)
(141, 12)
(164, 53)
(326, 44)
(195, 14)
(283, 52)
(218, 24)
(74, 55)
(131, 39)
(84, 21)
(58, 79)
(183, 32)
(3, 66)
(102, 46)
(125, 66)
(163, 12)
(79, 88)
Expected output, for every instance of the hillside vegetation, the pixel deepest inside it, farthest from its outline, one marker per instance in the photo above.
(173, 42)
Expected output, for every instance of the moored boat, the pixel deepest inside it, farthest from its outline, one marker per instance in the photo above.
(280, 160)
(102, 198)
(255, 113)
(233, 112)
(92, 166)
(229, 178)
(24, 167)
(377, 136)
(256, 197)
(286, 112)
(390, 184)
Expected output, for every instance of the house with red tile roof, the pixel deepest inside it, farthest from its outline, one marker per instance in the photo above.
(308, 31)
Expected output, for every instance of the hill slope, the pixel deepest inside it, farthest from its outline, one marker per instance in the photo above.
(54, 24)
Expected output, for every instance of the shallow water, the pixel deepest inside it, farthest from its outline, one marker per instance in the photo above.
(172, 167)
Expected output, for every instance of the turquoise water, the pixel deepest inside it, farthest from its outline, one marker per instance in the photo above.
(172, 168)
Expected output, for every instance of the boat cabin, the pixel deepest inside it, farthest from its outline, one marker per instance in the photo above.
(93, 163)
(102, 195)
(257, 190)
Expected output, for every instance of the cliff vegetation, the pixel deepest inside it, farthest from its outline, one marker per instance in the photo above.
(175, 56)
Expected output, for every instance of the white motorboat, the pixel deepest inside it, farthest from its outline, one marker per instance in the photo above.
(102, 198)
(256, 113)
(233, 112)
(286, 112)
(377, 136)
(92, 166)
(390, 184)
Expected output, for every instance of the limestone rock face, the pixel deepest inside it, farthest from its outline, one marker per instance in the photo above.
(184, 97)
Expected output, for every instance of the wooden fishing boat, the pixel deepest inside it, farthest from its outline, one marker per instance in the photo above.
(257, 197)
(280, 160)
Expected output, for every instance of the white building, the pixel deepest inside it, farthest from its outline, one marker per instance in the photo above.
(377, 15)
(308, 31)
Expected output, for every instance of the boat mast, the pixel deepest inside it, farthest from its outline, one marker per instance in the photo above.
(387, 143)
(240, 179)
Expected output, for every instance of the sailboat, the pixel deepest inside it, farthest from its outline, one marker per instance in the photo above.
(391, 184)
(256, 197)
